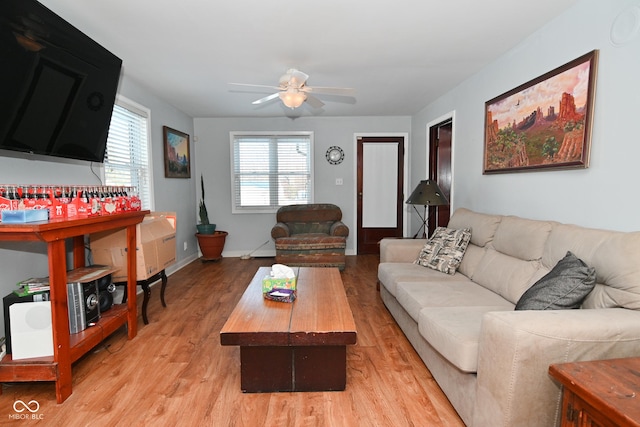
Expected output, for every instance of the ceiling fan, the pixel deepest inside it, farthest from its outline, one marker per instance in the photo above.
(293, 90)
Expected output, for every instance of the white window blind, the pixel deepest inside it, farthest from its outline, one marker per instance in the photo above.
(127, 155)
(270, 171)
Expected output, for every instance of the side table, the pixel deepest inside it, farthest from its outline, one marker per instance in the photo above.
(600, 392)
(147, 291)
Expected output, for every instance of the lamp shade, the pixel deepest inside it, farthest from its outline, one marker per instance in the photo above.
(292, 98)
(427, 193)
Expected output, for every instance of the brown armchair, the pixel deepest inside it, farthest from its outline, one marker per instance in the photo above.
(310, 236)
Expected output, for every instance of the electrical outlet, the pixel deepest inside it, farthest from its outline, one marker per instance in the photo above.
(185, 246)
(338, 181)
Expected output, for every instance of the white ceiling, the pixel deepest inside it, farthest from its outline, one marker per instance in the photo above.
(399, 55)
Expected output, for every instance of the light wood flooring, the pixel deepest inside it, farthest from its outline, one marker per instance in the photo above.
(176, 373)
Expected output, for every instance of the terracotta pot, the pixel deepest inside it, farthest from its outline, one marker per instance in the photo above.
(211, 245)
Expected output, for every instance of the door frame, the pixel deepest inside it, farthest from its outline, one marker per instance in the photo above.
(448, 116)
(405, 174)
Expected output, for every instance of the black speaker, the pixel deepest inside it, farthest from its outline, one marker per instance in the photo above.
(104, 283)
(106, 288)
(91, 298)
(106, 301)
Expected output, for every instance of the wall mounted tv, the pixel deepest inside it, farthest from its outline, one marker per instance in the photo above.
(57, 85)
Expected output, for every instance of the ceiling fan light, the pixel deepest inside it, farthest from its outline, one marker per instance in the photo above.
(292, 98)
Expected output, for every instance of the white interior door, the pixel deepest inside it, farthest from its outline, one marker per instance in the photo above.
(380, 190)
(379, 186)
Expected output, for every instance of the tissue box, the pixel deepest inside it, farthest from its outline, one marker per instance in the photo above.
(282, 290)
(25, 215)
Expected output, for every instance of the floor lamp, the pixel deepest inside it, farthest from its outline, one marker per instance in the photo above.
(427, 193)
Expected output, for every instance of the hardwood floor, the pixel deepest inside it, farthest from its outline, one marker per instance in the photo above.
(175, 372)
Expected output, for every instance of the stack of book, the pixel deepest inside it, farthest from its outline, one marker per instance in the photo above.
(35, 285)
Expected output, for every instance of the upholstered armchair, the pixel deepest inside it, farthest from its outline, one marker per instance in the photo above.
(310, 236)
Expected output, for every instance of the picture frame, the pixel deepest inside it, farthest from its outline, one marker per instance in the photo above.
(177, 159)
(524, 131)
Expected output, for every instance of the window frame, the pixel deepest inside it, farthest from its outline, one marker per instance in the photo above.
(124, 102)
(235, 209)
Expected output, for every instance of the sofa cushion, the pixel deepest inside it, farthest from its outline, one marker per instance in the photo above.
(444, 250)
(414, 296)
(471, 259)
(455, 332)
(564, 287)
(522, 238)
(310, 218)
(316, 227)
(310, 241)
(392, 273)
(504, 274)
(482, 226)
(310, 213)
(613, 254)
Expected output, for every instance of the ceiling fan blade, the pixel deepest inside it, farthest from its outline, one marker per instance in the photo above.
(314, 102)
(252, 85)
(266, 98)
(329, 90)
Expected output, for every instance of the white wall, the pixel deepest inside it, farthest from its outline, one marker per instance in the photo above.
(20, 261)
(248, 231)
(602, 196)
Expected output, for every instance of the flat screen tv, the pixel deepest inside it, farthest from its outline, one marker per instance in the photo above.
(57, 85)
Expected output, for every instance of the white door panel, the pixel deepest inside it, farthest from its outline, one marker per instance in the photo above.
(379, 185)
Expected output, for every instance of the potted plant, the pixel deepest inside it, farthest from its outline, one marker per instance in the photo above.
(211, 242)
(205, 227)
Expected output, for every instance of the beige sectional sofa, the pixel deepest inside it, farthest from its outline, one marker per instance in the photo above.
(489, 359)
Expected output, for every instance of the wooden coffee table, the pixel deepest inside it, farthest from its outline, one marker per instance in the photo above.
(299, 346)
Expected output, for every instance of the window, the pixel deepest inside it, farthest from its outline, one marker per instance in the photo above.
(270, 171)
(127, 157)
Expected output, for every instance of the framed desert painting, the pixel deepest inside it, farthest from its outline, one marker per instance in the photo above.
(177, 163)
(545, 123)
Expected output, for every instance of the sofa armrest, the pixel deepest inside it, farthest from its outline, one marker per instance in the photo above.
(280, 230)
(339, 228)
(400, 250)
(517, 347)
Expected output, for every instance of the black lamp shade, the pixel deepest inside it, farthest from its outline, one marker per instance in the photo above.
(427, 193)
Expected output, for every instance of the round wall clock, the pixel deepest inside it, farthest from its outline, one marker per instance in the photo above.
(335, 155)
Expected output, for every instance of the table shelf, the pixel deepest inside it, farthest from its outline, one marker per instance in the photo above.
(70, 347)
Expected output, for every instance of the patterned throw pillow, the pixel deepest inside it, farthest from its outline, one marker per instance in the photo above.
(444, 250)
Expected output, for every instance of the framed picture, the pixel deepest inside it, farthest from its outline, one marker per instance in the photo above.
(177, 162)
(545, 123)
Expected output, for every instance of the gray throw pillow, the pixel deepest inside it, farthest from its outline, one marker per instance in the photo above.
(564, 287)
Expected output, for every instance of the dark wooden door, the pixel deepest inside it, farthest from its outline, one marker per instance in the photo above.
(440, 141)
(380, 172)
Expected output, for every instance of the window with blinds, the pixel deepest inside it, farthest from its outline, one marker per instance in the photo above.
(270, 171)
(127, 156)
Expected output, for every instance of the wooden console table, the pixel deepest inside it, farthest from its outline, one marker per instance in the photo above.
(603, 393)
(68, 348)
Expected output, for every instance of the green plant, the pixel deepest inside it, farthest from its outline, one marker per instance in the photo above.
(204, 216)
